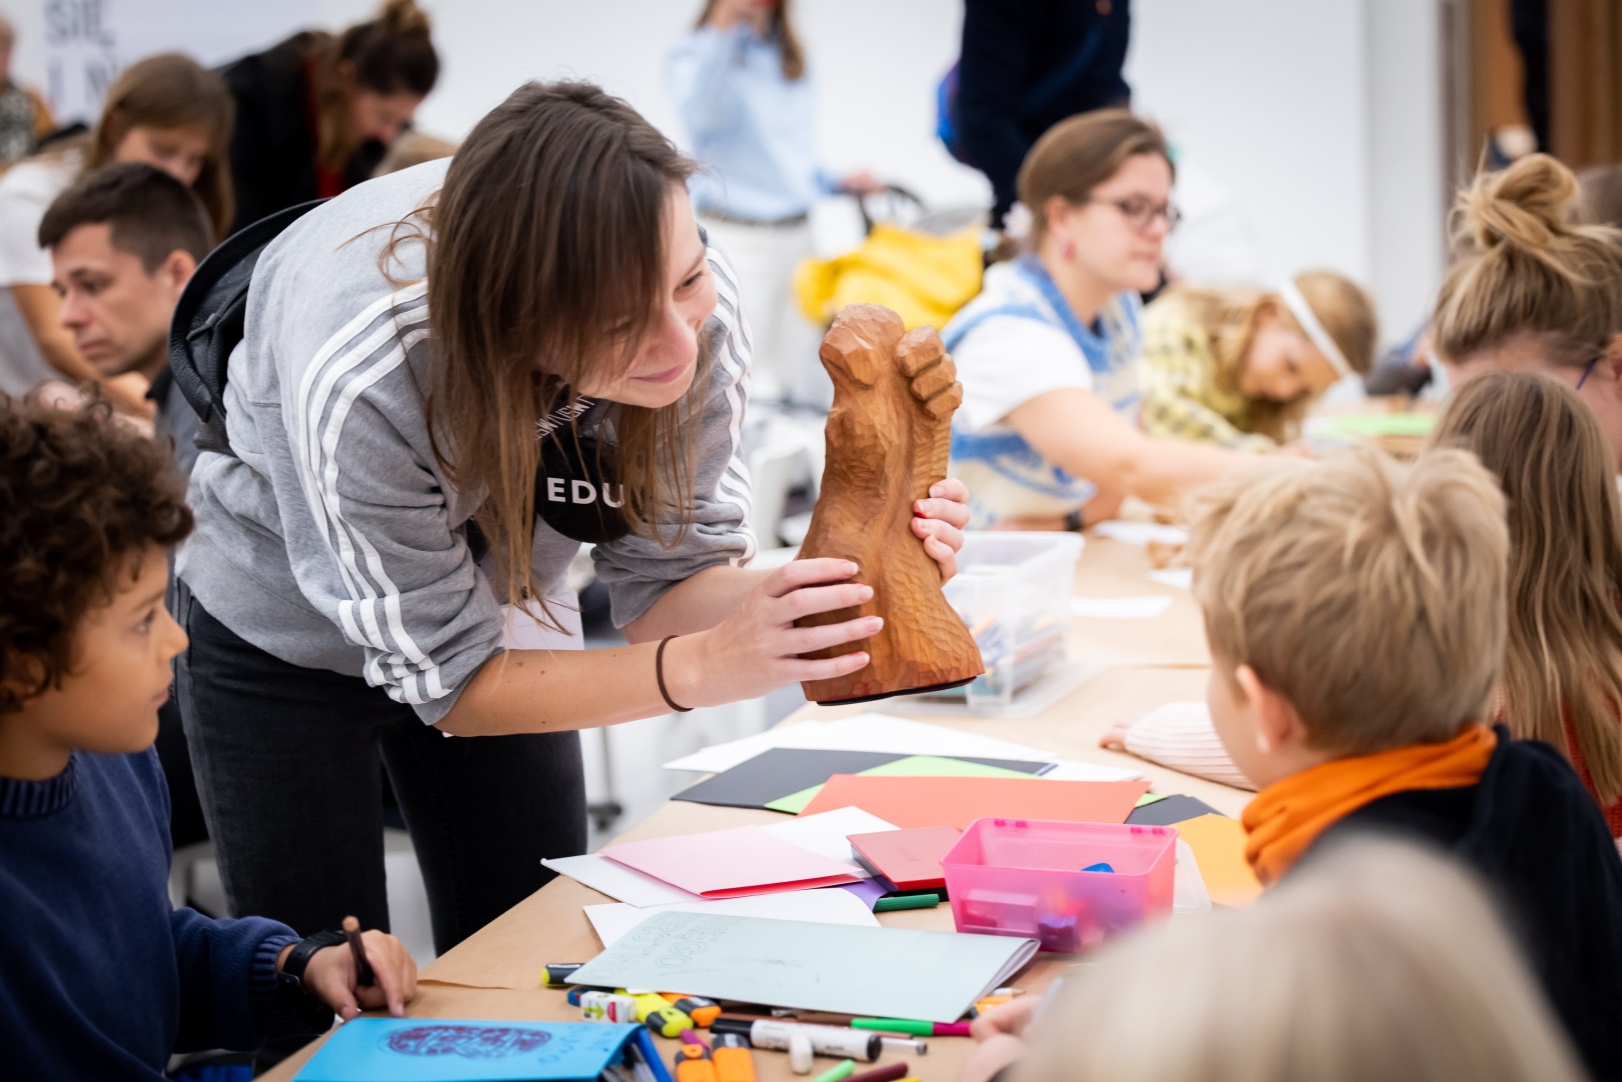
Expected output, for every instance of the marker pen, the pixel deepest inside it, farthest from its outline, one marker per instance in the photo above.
(912, 1026)
(844, 1069)
(906, 1044)
(702, 1011)
(649, 1054)
(825, 1040)
(653, 1011)
(733, 1063)
(693, 1064)
(888, 1073)
(607, 1007)
(557, 973)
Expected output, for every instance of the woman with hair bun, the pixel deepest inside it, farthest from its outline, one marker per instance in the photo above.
(1534, 290)
(316, 114)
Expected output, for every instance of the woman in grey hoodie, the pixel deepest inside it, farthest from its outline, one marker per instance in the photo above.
(374, 568)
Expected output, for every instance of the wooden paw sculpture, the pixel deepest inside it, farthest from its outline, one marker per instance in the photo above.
(889, 436)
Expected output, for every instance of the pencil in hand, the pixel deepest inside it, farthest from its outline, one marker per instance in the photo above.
(363, 969)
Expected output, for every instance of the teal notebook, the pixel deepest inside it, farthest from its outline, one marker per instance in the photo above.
(875, 972)
(436, 1050)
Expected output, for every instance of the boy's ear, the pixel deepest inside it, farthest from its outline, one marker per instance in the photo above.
(1277, 723)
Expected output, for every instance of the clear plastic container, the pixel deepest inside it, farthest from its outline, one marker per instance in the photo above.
(1025, 877)
(1014, 590)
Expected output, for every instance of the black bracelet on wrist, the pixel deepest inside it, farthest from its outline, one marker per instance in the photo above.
(659, 673)
(290, 984)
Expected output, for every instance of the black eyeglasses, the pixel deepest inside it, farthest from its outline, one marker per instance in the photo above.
(1140, 213)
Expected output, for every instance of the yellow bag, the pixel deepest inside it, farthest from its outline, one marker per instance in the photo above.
(921, 278)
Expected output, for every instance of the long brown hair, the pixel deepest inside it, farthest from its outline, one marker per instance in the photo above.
(1565, 560)
(393, 52)
(781, 31)
(1231, 317)
(1078, 154)
(1528, 270)
(546, 259)
(165, 92)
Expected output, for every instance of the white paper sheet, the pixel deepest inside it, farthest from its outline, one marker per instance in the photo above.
(1180, 577)
(618, 881)
(829, 905)
(825, 833)
(863, 732)
(1070, 770)
(1121, 608)
(1141, 533)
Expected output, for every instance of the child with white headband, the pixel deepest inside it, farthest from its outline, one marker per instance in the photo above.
(1238, 368)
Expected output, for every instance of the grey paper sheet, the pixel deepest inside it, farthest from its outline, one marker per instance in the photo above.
(1169, 812)
(875, 972)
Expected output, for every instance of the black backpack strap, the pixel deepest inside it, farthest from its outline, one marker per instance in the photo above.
(209, 321)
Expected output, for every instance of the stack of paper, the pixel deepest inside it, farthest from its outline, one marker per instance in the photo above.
(764, 780)
(828, 906)
(873, 972)
(731, 863)
(861, 732)
(924, 802)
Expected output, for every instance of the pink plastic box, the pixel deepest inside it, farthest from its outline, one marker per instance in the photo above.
(1024, 877)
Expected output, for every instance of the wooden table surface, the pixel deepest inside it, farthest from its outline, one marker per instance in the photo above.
(497, 973)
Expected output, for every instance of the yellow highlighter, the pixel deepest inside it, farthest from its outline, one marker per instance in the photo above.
(655, 1012)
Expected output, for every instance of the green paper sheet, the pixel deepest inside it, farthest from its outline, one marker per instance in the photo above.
(913, 766)
(1148, 798)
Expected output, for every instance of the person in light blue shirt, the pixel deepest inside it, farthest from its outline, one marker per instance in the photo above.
(739, 81)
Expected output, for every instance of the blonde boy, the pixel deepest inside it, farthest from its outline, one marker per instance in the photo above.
(1356, 615)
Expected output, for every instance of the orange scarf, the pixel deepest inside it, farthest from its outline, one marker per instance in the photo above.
(1287, 816)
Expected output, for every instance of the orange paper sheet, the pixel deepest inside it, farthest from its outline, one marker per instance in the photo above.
(1219, 847)
(927, 802)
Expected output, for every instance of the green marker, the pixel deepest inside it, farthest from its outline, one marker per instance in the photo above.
(907, 901)
(845, 1069)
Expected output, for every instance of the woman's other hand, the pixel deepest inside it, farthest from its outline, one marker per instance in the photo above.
(939, 522)
(756, 649)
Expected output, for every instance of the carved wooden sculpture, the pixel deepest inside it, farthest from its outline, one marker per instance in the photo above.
(889, 436)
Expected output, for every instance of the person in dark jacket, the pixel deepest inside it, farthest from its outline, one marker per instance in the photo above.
(316, 113)
(1357, 611)
(100, 975)
(1023, 68)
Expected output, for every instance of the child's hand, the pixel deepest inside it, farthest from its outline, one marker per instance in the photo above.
(330, 977)
(1000, 1032)
(1114, 737)
(939, 521)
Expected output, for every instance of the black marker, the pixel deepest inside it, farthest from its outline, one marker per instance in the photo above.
(363, 969)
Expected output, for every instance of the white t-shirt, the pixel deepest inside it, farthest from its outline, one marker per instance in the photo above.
(1016, 342)
(1007, 361)
(26, 191)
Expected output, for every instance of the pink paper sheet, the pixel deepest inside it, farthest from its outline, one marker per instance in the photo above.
(731, 863)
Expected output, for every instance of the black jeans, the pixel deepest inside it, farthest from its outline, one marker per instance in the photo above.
(286, 760)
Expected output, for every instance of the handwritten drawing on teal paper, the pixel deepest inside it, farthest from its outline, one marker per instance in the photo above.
(446, 1050)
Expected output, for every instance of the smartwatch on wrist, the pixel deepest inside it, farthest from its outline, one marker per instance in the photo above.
(1073, 523)
(290, 979)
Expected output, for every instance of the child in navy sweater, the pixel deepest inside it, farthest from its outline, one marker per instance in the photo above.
(99, 976)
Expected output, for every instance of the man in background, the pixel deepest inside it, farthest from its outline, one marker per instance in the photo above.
(124, 241)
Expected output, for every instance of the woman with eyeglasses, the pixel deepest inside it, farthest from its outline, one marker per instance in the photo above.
(1048, 354)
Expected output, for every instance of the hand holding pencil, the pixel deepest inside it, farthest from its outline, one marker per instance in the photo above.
(373, 969)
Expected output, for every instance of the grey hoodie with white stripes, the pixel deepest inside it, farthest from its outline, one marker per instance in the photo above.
(332, 540)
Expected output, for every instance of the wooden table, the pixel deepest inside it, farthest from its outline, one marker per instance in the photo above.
(497, 972)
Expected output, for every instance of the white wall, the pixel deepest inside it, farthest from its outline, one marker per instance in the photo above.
(1319, 118)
